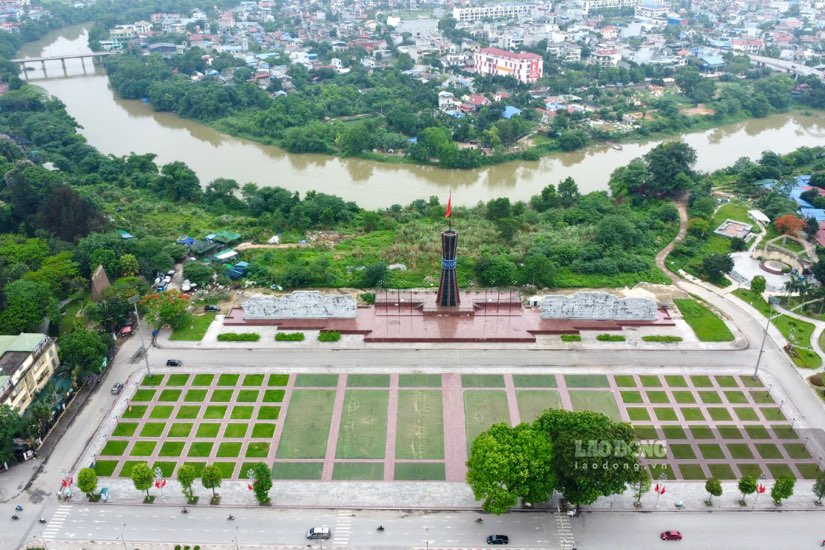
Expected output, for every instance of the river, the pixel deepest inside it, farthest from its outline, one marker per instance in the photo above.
(118, 127)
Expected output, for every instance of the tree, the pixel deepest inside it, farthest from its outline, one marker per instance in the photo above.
(789, 225)
(498, 208)
(715, 266)
(641, 485)
(87, 481)
(129, 266)
(168, 308)
(819, 489)
(782, 489)
(714, 488)
(811, 228)
(747, 486)
(592, 455)
(758, 284)
(83, 351)
(27, 303)
(665, 162)
(9, 426)
(375, 275)
(507, 463)
(617, 231)
(633, 179)
(262, 483)
(143, 477)
(107, 258)
(568, 192)
(698, 227)
(355, 138)
(179, 182)
(186, 477)
(496, 270)
(211, 478)
(198, 272)
(404, 62)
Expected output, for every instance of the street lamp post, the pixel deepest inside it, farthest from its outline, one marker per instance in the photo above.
(427, 531)
(134, 300)
(236, 537)
(772, 301)
(122, 539)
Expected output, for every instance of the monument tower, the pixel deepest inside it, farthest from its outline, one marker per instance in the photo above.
(448, 286)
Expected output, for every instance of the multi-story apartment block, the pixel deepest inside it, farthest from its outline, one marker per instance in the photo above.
(651, 9)
(587, 5)
(524, 67)
(27, 362)
(501, 11)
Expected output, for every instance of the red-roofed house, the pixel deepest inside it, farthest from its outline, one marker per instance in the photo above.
(524, 67)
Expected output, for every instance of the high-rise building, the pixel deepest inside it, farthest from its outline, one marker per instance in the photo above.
(524, 67)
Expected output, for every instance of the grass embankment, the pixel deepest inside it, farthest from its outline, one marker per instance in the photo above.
(707, 326)
(196, 329)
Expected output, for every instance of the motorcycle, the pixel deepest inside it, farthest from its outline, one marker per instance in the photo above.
(15, 516)
(380, 528)
(42, 520)
(184, 511)
(230, 517)
(18, 508)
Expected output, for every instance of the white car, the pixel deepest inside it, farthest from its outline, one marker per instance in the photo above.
(186, 286)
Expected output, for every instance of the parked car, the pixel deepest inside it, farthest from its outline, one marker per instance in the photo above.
(498, 539)
(276, 287)
(116, 389)
(170, 273)
(211, 308)
(671, 535)
(186, 286)
(319, 533)
(174, 363)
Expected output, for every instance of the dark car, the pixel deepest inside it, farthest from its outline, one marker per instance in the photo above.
(211, 308)
(174, 363)
(671, 535)
(498, 539)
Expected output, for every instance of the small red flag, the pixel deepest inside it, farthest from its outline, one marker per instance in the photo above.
(64, 483)
(449, 206)
(760, 489)
(71, 480)
(157, 484)
(249, 485)
(163, 483)
(657, 488)
(663, 490)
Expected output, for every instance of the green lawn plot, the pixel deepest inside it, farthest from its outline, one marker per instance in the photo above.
(482, 380)
(105, 468)
(306, 427)
(721, 471)
(631, 397)
(215, 412)
(161, 411)
(316, 380)
(221, 396)
(807, 469)
(705, 324)
(268, 413)
(658, 397)
(198, 466)
(235, 430)
(701, 381)
(534, 380)
(135, 411)
(256, 380)
(196, 329)
(258, 449)
(692, 471)
(358, 471)
(650, 381)
(169, 395)
(171, 448)
(637, 414)
(144, 395)
(274, 396)
(749, 382)
(152, 429)
(482, 409)
(676, 381)
(586, 381)
(154, 380)
(531, 403)
(188, 412)
(229, 450)
(419, 380)
(263, 430)
(114, 448)
(180, 429)
(166, 468)
(143, 448)
(277, 380)
(203, 379)
(125, 429)
(177, 380)
(625, 381)
(297, 470)
(684, 397)
(241, 413)
(195, 396)
(126, 470)
(200, 449)
(799, 332)
(419, 425)
(228, 379)
(227, 469)
(363, 429)
(419, 471)
(726, 381)
(247, 396)
(368, 381)
(599, 401)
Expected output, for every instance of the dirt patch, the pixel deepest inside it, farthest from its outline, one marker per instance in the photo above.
(314, 238)
(699, 110)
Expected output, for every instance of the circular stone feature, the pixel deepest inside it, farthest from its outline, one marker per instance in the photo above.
(774, 266)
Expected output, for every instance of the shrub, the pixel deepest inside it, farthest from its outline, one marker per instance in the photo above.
(662, 339)
(329, 336)
(368, 297)
(289, 337)
(571, 338)
(239, 337)
(610, 338)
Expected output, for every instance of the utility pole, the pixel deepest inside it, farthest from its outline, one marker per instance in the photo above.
(134, 300)
(771, 300)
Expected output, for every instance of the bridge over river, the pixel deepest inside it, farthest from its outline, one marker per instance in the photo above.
(62, 58)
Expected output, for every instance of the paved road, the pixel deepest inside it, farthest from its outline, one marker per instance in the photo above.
(787, 66)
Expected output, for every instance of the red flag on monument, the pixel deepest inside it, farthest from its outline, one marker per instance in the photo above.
(449, 205)
(163, 483)
(657, 488)
(662, 491)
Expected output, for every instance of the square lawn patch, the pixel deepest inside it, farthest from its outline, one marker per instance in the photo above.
(363, 424)
(135, 411)
(533, 381)
(247, 396)
(197, 466)
(745, 413)
(278, 380)
(682, 451)
(599, 401)
(258, 449)
(631, 396)
(772, 414)
(316, 380)
(753, 470)
(482, 409)
(253, 380)
(784, 432)
(171, 448)
(419, 471)
(166, 468)
(221, 396)
(421, 380)
(358, 470)
(420, 425)
(692, 414)
(368, 381)
(268, 413)
(692, 471)
(144, 395)
(721, 471)
(675, 381)
(711, 451)
(154, 380)
(586, 381)
(161, 411)
(768, 450)
(719, 414)
(762, 397)
(646, 432)
(779, 470)
(188, 412)
(125, 429)
(809, 470)
(702, 432)
(229, 450)
(638, 413)
(263, 430)
(684, 397)
(203, 379)
(180, 429)
(310, 412)
(657, 397)
(241, 413)
(757, 432)
(215, 412)
(235, 430)
(740, 450)
(729, 432)
(749, 382)
(152, 429)
(726, 381)
(228, 379)
(736, 397)
(665, 414)
(701, 381)
(796, 450)
(227, 469)
(297, 470)
(661, 469)
(177, 380)
(114, 448)
(625, 381)
(169, 395)
(650, 381)
(482, 380)
(674, 432)
(200, 449)
(126, 471)
(195, 396)
(274, 396)
(710, 397)
(105, 468)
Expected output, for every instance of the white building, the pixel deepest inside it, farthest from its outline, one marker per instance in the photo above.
(587, 5)
(524, 67)
(27, 362)
(505, 11)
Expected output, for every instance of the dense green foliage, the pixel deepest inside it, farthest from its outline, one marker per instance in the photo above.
(289, 337)
(239, 337)
(329, 336)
